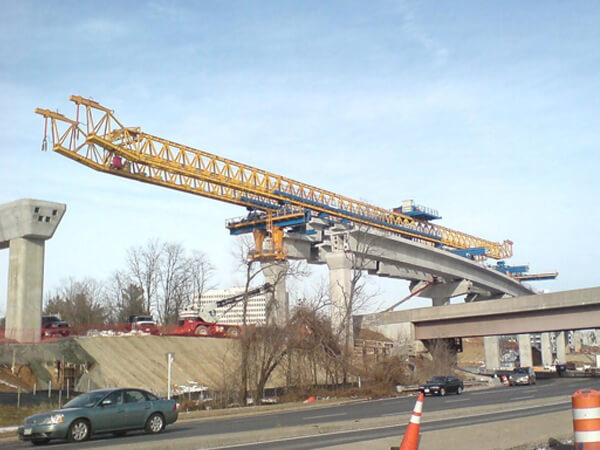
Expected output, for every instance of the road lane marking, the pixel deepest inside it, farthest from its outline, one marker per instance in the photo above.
(459, 400)
(367, 429)
(482, 392)
(396, 414)
(523, 398)
(324, 415)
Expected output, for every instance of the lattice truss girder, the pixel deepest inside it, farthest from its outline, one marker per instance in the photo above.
(159, 161)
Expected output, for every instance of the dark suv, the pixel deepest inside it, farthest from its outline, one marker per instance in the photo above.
(442, 386)
(53, 326)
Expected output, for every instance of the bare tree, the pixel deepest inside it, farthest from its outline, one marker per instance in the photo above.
(79, 302)
(272, 355)
(173, 281)
(200, 272)
(168, 277)
(126, 297)
(144, 265)
(358, 249)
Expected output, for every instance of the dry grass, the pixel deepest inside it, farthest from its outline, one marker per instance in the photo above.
(10, 415)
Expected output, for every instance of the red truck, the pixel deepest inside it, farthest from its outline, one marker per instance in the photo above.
(201, 321)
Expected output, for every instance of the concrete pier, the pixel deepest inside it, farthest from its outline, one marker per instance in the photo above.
(525, 353)
(491, 348)
(277, 307)
(546, 349)
(25, 225)
(340, 286)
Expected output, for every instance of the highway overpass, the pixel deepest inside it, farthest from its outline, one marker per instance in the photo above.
(542, 313)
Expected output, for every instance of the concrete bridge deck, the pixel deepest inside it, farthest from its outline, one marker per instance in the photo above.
(557, 311)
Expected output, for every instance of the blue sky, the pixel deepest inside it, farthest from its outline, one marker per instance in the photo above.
(487, 113)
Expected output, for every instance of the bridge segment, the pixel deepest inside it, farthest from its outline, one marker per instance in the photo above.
(433, 273)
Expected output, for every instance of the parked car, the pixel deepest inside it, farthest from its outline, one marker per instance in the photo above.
(113, 410)
(442, 386)
(145, 324)
(53, 326)
(522, 375)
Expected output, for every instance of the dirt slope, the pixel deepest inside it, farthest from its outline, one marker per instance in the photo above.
(141, 361)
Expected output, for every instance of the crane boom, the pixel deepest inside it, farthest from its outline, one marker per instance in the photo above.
(155, 160)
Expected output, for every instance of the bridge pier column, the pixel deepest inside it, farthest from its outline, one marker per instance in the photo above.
(561, 347)
(277, 307)
(577, 341)
(340, 286)
(546, 349)
(525, 353)
(25, 290)
(491, 347)
(24, 226)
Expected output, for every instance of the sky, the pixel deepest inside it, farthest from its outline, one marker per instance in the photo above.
(487, 112)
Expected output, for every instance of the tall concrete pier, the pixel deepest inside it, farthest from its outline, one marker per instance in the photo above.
(24, 227)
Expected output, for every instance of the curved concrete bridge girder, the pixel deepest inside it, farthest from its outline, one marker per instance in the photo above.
(25, 225)
(414, 257)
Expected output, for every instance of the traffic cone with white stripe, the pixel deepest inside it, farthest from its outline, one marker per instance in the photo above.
(411, 436)
(586, 419)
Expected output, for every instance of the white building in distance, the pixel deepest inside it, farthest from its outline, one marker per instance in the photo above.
(233, 314)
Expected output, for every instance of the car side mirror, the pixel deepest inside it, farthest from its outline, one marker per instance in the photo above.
(106, 402)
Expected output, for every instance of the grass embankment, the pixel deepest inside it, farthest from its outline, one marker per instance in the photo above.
(11, 416)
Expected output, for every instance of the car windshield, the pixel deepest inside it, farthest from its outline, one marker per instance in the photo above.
(86, 400)
(437, 380)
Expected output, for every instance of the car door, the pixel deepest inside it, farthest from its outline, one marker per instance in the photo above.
(136, 408)
(109, 414)
(452, 384)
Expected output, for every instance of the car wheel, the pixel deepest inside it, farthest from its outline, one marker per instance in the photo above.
(40, 441)
(459, 390)
(233, 332)
(442, 392)
(201, 330)
(155, 423)
(79, 431)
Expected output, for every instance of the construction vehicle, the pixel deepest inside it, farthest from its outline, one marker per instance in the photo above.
(197, 320)
(275, 203)
(141, 323)
(53, 326)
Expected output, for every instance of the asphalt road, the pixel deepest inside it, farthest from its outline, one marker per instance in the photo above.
(353, 412)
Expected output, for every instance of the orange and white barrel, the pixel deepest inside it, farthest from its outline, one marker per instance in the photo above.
(586, 419)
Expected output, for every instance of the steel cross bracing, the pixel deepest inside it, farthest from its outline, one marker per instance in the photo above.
(104, 144)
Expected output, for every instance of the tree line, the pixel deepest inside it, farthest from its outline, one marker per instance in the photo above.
(159, 278)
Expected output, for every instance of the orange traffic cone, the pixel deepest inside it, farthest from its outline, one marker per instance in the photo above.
(411, 436)
(505, 381)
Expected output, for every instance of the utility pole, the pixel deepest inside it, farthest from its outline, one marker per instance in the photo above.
(170, 359)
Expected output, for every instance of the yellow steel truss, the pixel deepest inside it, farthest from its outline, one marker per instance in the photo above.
(155, 160)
